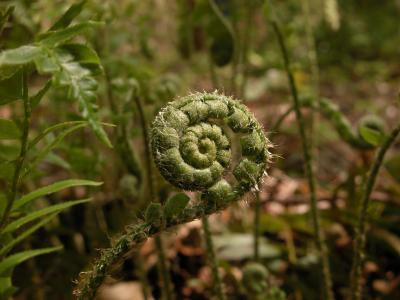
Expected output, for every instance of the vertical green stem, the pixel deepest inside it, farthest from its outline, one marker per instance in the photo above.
(162, 261)
(23, 151)
(360, 239)
(313, 60)
(212, 259)
(163, 270)
(308, 164)
(247, 38)
(257, 213)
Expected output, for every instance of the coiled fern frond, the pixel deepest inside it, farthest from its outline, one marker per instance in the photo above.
(193, 143)
(204, 142)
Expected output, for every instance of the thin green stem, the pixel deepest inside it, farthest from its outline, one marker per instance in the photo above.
(23, 151)
(248, 32)
(257, 215)
(217, 284)
(308, 164)
(163, 270)
(361, 227)
(162, 261)
(232, 32)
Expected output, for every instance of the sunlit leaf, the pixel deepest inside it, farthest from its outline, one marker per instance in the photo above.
(372, 136)
(20, 56)
(68, 16)
(85, 56)
(58, 37)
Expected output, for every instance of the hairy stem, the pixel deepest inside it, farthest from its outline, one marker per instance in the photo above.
(164, 275)
(23, 151)
(360, 238)
(308, 165)
(217, 284)
(135, 236)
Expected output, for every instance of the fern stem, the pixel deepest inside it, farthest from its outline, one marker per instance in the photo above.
(162, 261)
(247, 39)
(23, 151)
(360, 238)
(257, 214)
(308, 165)
(212, 259)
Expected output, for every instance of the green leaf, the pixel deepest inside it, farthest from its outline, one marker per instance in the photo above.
(53, 128)
(81, 87)
(68, 16)
(372, 136)
(11, 88)
(20, 56)
(85, 56)
(393, 166)
(35, 100)
(154, 214)
(7, 264)
(46, 150)
(175, 205)
(7, 247)
(9, 130)
(58, 37)
(53, 188)
(6, 287)
(41, 213)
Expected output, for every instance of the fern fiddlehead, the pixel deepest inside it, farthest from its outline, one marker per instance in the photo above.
(192, 142)
(192, 147)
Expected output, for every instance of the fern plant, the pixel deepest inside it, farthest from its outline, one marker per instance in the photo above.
(70, 66)
(204, 142)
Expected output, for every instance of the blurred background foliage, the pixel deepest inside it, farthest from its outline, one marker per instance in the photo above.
(162, 49)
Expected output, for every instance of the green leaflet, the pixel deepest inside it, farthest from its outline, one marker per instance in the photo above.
(20, 56)
(40, 213)
(7, 264)
(66, 19)
(72, 67)
(81, 86)
(175, 205)
(61, 36)
(52, 188)
(20, 237)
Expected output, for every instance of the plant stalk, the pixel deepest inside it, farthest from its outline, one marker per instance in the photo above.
(308, 165)
(257, 215)
(23, 151)
(163, 271)
(217, 284)
(361, 227)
